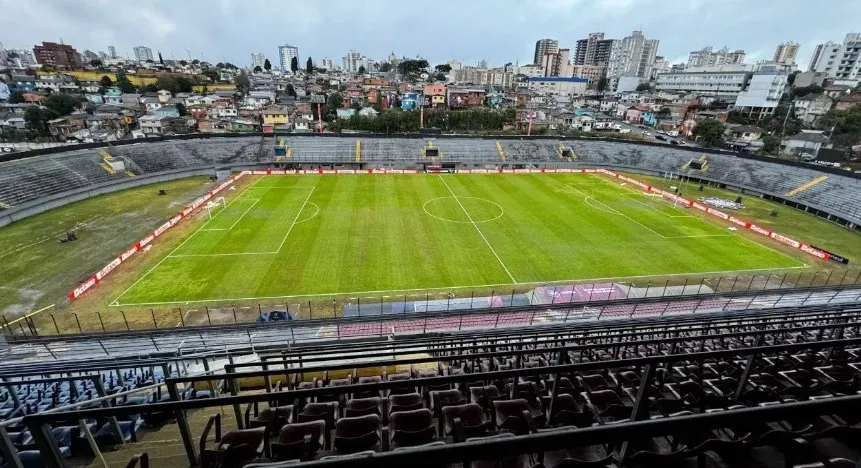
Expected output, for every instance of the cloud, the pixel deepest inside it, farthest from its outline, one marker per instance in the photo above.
(498, 31)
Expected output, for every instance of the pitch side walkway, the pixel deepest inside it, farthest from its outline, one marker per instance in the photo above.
(282, 334)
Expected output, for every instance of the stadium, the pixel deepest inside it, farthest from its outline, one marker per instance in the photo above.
(342, 300)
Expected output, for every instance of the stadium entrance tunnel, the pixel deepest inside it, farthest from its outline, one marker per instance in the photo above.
(466, 210)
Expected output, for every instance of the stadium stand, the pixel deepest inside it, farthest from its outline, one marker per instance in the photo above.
(771, 388)
(32, 178)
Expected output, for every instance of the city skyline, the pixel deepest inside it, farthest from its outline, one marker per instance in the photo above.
(679, 26)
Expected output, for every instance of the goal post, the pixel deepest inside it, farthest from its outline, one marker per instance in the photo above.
(214, 205)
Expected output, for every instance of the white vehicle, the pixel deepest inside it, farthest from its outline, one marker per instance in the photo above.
(624, 130)
(647, 134)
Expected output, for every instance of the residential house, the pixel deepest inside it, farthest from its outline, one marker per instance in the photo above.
(848, 101)
(464, 97)
(258, 101)
(131, 101)
(806, 142)
(96, 99)
(301, 124)
(812, 107)
(368, 112)
(11, 121)
(107, 109)
(22, 83)
(197, 111)
(181, 125)
(835, 91)
(163, 96)
(226, 112)
(110, 123)
(275, 117)
(166, 111)
(249, 113)
(153, 125)
(746, 133)
(345, 112)
(213, 126)
(150, 103)
(635, 114)
(114, 97)
(64, 127)
(245, 125)
(20, 108)
(435, 93)
(33, 98)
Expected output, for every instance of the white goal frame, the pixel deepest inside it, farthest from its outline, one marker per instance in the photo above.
(214, 204)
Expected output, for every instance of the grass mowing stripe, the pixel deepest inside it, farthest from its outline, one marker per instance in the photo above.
(479, 230)
(299, 213)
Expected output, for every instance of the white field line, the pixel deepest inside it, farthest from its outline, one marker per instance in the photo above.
(708, 222)
(479, 230)
(640, 192)
(299, 213)
(635, 198)
(612, 210)
(183, 242)
(243, 214)
(376, 294)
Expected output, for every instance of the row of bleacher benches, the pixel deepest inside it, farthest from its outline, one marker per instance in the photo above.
(488, 386)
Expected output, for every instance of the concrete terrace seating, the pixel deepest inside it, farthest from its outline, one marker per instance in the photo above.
(462, 150)
(535, 150)
(394, 149)
(322, 149)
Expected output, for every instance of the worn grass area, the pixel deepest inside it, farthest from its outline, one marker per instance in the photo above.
(37, 270)
(294, 237)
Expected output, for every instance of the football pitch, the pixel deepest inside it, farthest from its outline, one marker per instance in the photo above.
(285, 237)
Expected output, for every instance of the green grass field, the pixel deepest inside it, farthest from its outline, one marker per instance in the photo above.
(290, 237)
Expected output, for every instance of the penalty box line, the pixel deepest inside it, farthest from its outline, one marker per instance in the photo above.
(116, 301)
(390, 292)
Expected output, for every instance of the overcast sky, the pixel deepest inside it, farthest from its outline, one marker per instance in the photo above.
(468, 30)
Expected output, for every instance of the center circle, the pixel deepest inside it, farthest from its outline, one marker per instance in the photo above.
(466, 210)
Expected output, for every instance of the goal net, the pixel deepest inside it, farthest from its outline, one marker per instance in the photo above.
(215, 206)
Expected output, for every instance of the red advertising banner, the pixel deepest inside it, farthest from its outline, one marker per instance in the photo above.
(101, 274)
(740, 222)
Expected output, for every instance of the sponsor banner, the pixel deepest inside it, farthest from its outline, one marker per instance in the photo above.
(101, 274)
(128, 253)
(785, 240)
(740, 222)
(80, 290)
(107, 269)
(719, 214)
(699, 206)
(815, 251)
(564, 170)
(759, 230)
(347, 171)
(832, 256)
(261, 172)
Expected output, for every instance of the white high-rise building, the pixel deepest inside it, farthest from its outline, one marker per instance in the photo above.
(285, 57)
(786, 52)
(634, 55)
(353, 61)
(708, 57)
(839, 61)
(257, 60)
(112, 52)
(143, 53)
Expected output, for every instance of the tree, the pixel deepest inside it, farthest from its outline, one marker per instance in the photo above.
(412, 68)
(17, 97)
(230, 66)
(106, 82)
(148, 88)
(37, 119)
(294, 64)
(195, 62)
(212, 74)
(257, 69)
(309, 66)
(122, 82)
(664, 113)
(443, 68)
(362, 69)
(643, 87)
(439, 76)
(602, 84)
(267, 65)
(291, 91)
(219, 65)
(846, 125)
(242, 83)
(805, 90)
(770, 144)
(61, 104)
(96, 63)
(709, 132)
(180, 107)
(790, 80)
(183, 63)
(386, 67)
